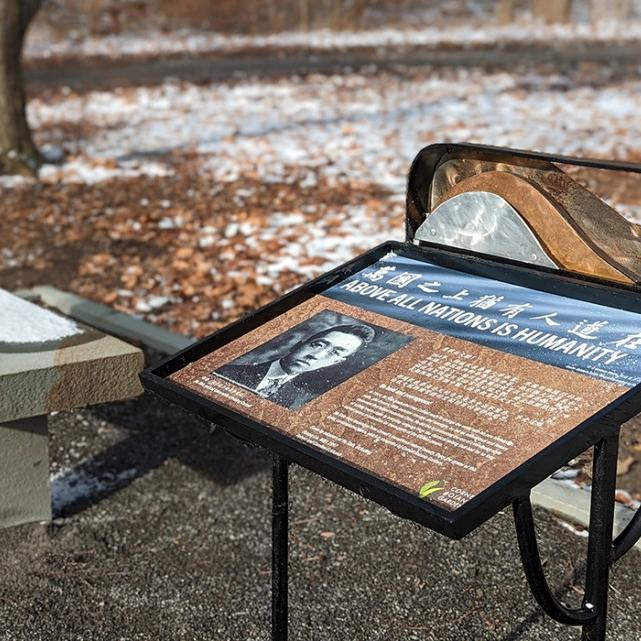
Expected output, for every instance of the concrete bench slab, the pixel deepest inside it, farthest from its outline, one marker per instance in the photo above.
(48, 362)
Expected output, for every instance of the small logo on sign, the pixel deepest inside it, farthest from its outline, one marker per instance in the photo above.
(429, 488)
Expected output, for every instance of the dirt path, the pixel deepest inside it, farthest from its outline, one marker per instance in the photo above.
(100, 74)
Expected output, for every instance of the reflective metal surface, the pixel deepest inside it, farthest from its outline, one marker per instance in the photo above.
(451, 173)
(576, 229)
(562, 240)
(486, 223)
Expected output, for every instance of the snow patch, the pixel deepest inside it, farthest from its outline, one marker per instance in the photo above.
(25, 322)
(91, 171)
(474, 33)
(343, 128)
(70, 486)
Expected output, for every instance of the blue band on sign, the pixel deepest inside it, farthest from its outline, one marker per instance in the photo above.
(599, 341)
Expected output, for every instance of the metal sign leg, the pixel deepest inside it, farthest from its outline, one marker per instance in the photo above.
(600, 553)
(280, 525)
(592, 615)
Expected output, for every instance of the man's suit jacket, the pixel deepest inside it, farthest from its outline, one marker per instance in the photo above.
(291, 395)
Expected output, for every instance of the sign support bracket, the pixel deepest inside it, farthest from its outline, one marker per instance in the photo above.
(592, 615)
(602, 551)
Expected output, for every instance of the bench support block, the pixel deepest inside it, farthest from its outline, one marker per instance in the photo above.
(24, 471)
(592, 615)
(280, 526)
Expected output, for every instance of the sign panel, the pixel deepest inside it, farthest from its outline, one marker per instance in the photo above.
(437, 381)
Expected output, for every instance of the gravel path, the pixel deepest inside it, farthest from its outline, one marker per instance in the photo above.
(162, 532)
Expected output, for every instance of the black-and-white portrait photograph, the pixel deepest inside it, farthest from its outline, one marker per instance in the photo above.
(311, 358)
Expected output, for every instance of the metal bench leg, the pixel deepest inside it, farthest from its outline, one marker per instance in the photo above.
(592, 615)
(280, 527)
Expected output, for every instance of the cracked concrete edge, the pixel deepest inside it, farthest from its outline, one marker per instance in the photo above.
(572, 503)
(108, 320)
(561, 498)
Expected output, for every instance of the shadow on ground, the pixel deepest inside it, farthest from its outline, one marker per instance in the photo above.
(156, 431)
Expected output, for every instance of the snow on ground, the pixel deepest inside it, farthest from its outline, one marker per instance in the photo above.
(334, 239)
(474, 33)
(89, 171)
(364, 128)
(74, 485)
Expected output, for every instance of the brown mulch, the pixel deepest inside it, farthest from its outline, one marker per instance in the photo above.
(123, 241)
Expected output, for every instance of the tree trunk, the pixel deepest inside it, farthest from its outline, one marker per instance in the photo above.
(18, 153)
(303, 12)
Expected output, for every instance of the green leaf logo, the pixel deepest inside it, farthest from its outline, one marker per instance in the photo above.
(429, 488)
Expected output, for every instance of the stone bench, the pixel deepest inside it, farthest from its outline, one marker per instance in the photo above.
(48, 363)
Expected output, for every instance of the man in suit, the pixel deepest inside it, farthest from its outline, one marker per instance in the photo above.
(277, 380)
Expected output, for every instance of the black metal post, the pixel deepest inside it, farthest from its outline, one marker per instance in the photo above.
(280, 525)
(600, 552)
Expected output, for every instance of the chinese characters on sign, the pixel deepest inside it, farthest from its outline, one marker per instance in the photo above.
(566, 333)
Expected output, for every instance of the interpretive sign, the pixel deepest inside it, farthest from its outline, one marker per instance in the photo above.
(438, 381)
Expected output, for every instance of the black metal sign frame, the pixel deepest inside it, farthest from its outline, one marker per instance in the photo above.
(600, 430)
(454, 524)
